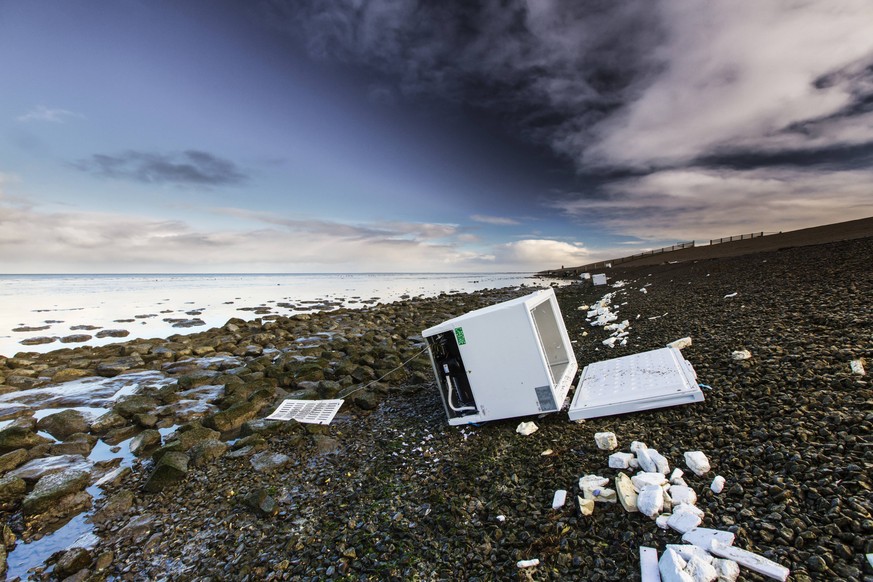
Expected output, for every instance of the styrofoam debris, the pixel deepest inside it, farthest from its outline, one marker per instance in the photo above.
(649, 565)
(697, 462)
(526, 428)
(583, 308)
(528, 563)
(672, 568)
(750, 560)
(547, 452)
(501, 518)
(682, 494)
(870, 559)
(857, 367)
(741, 355)
(662, 520)
(605, 441)
(676, 474)
(605, 495)
(688, 551)
(646, 462)
(662, 465)
(701, 570)
(685, 518)
(717, 484)
(680, 343)
(610, 342)
(668, 503)
(644, 290)
(620, 460)
(729, 295)
(727, 570)
(650, 501)
(592, 482)
(586, 506)
(701, 536)
(559, 499)
(627, 496)
(637, 445)
(644, 478)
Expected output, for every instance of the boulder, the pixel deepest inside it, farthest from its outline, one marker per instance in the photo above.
(12, 489)
(12, 459)
(82, 448)
(107, 421)
(73, 560)
(131, 406)
(206, 452)
(16, 436)
(114, 507)
(261, 502)
(34, 470)
(63, 424)
(144, 440)
(50, 489)
(194, 434)
(265, 427)
(171, 468)
(115, 366)
(68, 374)
(233, 417)
(366, 400)
(268, 461)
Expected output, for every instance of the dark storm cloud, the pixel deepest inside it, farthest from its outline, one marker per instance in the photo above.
(191, 167)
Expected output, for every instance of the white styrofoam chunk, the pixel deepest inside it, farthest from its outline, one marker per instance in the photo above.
(586, 506)
(672, 568)
(701, 536)
(649, 565)
(662, 465)
(727, 570)
(687, 551)
(634, 464)
(701, 570)
(605, 495)
(750, 560)
(684, 521)
(559, 499)
(676, 474)
(606, 441)
(646, 462)
(680, 343)
(870, 559)
(650, 501)
(740, 355)
(697, 462)
(620, 460)
(684, 507)
(717, 484)
(681, 494)
(624, 489)
(592, 481)
(637, 445)
(528, 563)
(526, 428)
(644, 478)
(661, 520)
(857, 367)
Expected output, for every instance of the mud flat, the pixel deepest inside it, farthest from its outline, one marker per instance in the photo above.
(389, 490)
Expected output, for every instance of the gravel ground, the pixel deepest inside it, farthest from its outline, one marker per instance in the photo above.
(396, 493)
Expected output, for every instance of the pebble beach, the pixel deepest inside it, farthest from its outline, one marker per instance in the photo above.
(201, 487)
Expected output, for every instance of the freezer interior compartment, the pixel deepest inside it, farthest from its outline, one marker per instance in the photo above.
(556, 351)
(452, 381)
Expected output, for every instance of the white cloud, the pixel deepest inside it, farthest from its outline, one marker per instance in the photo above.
(494, 220)
(53, 115)
(740, 73)
(700, 204)
(540, 254)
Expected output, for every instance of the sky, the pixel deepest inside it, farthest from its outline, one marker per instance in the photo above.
(401, 136)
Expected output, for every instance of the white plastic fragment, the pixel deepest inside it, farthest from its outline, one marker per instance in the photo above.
(620, 460)
(717, 484)
(528, 563)
(726, 570)
(680, 343)
(606, 441)
(672, 568)
(650, 501)
(645, 461)
(605, 495)
(546, 453)
(642, 479)
(592, 482)
(661, 520)
(750, 560)
(586, 506)
(729, 295)
(682, 494)
(637, 445)
(526, 428)
(701, 570)
(685, 518)
(501, 518)
(662, 465)
(559, 499)
(688, 551)
(697, 462)
(701, 536)
(741, 355)
(870, 559)
(857, 367)
(676, 474)
(644, 290)
(649, 565)
(627, 496)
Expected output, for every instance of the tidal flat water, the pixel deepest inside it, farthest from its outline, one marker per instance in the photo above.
(58, 308)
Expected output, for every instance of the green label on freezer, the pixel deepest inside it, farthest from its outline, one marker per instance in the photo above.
(459, 335)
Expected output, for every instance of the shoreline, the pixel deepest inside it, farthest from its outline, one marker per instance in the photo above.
(389, 489)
